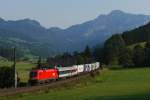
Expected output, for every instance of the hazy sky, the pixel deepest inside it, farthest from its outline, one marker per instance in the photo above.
(64, 13)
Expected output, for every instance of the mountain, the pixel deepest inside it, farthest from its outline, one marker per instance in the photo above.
(27, 35)
(98, 30)
(38, 40)
(26, 27)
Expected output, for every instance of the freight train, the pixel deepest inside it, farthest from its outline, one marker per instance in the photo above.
(46, 75)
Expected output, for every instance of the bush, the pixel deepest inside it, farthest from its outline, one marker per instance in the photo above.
(6, 77)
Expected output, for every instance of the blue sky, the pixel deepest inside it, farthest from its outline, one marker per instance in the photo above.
(64, 13)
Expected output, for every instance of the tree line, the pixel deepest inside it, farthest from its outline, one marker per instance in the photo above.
(139, 56)
(116, 49)
(7, 53)
(68, 59)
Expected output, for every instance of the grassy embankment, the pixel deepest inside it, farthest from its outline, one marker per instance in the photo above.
(123, 84)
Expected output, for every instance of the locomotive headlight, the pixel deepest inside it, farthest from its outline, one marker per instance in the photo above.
(53, 74)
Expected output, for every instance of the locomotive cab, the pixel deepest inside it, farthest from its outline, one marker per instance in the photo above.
(33, 77)
(33, 74)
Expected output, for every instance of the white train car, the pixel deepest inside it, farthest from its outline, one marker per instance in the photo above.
(93, 66)
(97, 65)
(80, 68)
(67, 71)
(90, 67)
(87, 68)
(74, 70)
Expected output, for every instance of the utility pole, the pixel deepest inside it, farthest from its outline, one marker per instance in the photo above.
(39, 62)
(14, 67)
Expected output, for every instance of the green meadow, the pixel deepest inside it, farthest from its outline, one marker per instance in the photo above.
(22, 68)
(122, 84)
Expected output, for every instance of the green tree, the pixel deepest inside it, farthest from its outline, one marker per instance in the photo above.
(99, 54)
(125, 58)
(80, 59)
(138, 56)
(6, 53)
(75, 53)
(39, 63)
(87, 51)
(87, 54)
(147, 54)
(112, 48)
(6, 77)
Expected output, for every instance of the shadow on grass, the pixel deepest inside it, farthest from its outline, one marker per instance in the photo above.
(23, 84)
(145, 96)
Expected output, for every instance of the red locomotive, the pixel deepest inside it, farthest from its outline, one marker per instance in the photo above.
(43, 75)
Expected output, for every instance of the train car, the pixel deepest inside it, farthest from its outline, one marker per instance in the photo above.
(75, 70)
(97, 65)
(65, 72)
(93, 66)
(86, 68)
(90, 67)
(80, 68)
(43, 75)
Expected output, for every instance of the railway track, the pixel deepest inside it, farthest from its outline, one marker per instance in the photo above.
(20, 90)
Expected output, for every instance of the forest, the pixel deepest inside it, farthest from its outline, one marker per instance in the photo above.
(129, 49)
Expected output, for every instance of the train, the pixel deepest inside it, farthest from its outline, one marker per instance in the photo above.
(47, 75)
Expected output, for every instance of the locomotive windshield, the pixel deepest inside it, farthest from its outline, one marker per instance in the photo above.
(33, 74)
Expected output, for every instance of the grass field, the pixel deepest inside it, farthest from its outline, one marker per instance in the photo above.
(125, 84)
(22, 68)
(133, 45)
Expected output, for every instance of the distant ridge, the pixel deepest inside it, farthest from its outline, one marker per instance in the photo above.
(75, 37)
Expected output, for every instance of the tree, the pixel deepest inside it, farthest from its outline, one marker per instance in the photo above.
(137, 35)
(6, 77)
(80, 59)
(147, 54)
(87, 54)
(112, 48)
(138, 56)
(39, 63)
(125, 58)
(87, 51)
(99, 54)
(6, 53)
(66, 55)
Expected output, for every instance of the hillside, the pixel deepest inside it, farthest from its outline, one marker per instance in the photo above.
(138, 35)
(119, 48)
(33, 39)
(141, 34)
(133, 45)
